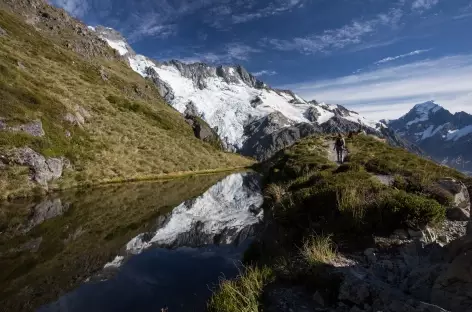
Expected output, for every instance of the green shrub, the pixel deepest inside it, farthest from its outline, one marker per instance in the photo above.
(401, 208)
(242, 294)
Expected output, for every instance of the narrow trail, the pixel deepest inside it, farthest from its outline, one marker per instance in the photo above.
(332, 156)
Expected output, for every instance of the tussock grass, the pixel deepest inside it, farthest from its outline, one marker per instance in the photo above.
(318, 249)
(131, 133)
(242, 294)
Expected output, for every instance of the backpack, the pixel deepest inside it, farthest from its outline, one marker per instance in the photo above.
(339, 142)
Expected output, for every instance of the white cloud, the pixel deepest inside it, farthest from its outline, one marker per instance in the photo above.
(233, 52)
(391, 91)
(423, 4)
(265, 73)
(333, 39)
(77, 8)
(276, 8)
(394, 58)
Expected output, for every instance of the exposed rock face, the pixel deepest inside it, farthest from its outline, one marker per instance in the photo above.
(78, 117)
(453, 288)
(56, 22)
(34, 128)
(460, 209)
(266, 138)
(443, 136)
(3, 32)
(42, 169)
(164, 88)
(203, 131)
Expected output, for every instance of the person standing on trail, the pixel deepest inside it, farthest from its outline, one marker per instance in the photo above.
(339, 146)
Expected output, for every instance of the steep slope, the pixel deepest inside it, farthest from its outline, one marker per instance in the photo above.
(249, 116)
(69, 118)
(444, 136)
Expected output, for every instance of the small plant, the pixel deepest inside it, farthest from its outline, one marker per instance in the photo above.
(274, 192)
(318, 250)
(243, 293)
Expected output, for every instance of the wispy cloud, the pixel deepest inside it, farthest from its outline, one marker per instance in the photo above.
(333, 39)
(77, 8)
(389, 92)
(394, 58)
(276, 8)
(233, 52)
(423, 4)
(265, 73)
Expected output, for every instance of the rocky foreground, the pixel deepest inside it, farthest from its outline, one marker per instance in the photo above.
(387, 231)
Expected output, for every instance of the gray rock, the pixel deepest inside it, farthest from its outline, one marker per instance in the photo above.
(458, 190)
(34, 128)
(401, 234)
(78, 117)
(266, 136)
(164, 89)
(458, 214)
(419, 282)
(312, 114)
(3, 32)
(42, 170)
(370, 255)
(103, 74)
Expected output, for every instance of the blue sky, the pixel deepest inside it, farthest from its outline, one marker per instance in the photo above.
(378, 57)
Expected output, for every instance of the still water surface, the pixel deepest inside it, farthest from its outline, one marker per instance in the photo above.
(130, 247)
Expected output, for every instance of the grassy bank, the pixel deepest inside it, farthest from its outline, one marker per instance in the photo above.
(315, 209)
(127, 132)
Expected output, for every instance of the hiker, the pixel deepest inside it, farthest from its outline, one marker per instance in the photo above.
(339, 146)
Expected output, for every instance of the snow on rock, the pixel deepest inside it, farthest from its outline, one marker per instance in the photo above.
(118, 45)
(228, 98)
(423, 111)
(457, 134)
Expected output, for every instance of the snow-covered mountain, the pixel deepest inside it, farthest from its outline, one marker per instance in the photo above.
(249, 116)
(444, 136)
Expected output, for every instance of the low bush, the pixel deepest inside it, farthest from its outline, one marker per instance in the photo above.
(401, 208)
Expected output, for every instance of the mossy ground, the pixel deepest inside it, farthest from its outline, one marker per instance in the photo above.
(132, 132)
(315, 208)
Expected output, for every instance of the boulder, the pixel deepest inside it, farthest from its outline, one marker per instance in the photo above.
(42, 170)
(460, 209)
(34, 128)
(3, 32)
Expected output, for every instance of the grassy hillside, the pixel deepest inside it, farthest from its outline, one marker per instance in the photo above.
(128, 133)
(315, 208)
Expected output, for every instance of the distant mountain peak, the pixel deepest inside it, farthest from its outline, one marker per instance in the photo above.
(427, 107)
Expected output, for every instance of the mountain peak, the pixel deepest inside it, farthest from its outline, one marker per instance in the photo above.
(427, 107)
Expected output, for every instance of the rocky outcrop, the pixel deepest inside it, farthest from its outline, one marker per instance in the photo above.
(43, 170)
(459, 194)
(163, 88)
(78, 117)
(34, 128)
(203, 131)
(266, 138)
(3, 32)
(453, 288)
(56, 22)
